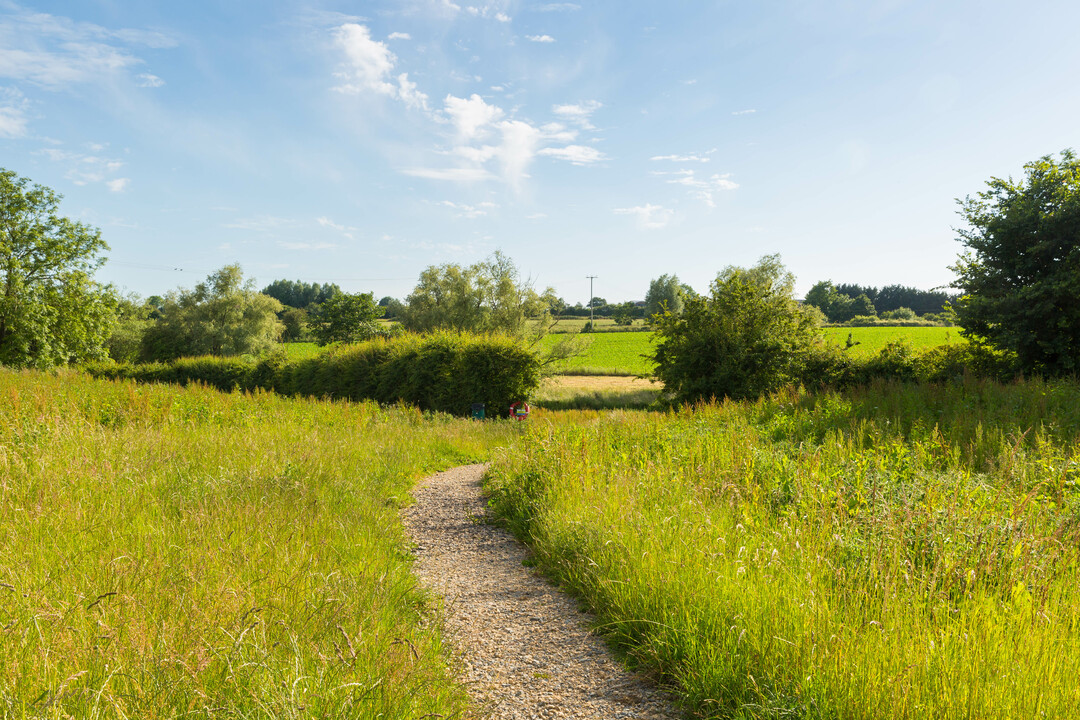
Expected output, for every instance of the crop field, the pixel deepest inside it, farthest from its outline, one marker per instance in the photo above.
(609, 354)
(893, 552)
(870, 340)
(170, 552)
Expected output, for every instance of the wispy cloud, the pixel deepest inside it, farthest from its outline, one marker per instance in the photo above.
(491, 10)
(576, 154)
(456, 174)
(261, 223)
(330, 224)
(84, 169)
(56, 52)
(744, 112)
(703, 189)
(13, 106)
(558, 7)
(148, 80)
(649, 217)
(580, 113)
(681, 158)
(470, 211)
(540, 38)
(399, 36)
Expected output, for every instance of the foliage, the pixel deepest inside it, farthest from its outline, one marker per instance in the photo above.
(1020, 274)
(294, 323)
(221, 316)
(345, 317)
(298, 294)
(51, 310)
(892, 297)
(444, 372)
(392, 307)
(837, 306)
(666, 294)
(488, 296)
(749, 337)
(625, 313)
(244, 558)
(901, 313)
(895, 552)
(134, 317)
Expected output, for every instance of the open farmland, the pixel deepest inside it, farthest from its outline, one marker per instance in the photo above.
(893, 552)
(871, 340)
(170, 552)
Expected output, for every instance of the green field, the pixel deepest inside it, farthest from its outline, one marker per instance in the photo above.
(892, 552)
(169, 552)
(621, 353)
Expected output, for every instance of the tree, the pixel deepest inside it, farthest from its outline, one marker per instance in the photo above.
(666, 294)
(51, 310)
(486, 297)
(836, 306)
(1020, 275)
(297, 294)
(346, 317)
(748, 337)
(222, 316)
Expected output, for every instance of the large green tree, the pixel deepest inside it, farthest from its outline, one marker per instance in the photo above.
(51, 310)
(748, 337)
(222, 316)
(666, 294)
(345, 317)
(1020, 274)
(489, 296)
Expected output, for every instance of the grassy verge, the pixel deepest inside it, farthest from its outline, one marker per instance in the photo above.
(170, 552)
(895, 552)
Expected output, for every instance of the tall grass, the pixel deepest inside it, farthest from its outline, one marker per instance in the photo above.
(893, 552)
(169, 552)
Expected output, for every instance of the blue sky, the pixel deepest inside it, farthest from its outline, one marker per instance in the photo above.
(358, 143)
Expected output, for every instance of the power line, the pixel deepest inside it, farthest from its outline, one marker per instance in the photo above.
(591, 278)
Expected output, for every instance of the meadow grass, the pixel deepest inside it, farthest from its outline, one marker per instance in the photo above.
(612, 353)
(892, 552)
(169, 552)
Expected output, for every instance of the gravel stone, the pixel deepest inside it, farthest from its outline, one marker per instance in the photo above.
(524, 648)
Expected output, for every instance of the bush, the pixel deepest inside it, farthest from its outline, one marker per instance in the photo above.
(444, 372)
(748, 338)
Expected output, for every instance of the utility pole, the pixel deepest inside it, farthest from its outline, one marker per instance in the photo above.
(591, 278)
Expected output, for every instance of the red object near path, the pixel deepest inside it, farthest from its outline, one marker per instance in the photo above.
(519, 410)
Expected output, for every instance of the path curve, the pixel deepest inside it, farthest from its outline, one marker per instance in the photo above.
(525, 647)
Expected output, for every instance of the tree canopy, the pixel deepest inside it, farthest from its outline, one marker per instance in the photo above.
(299, 294)
(748, 337)
(222, 316)
(345, 317)
(51, 309)
(488, 296)
(1020, 274)
(666, 293)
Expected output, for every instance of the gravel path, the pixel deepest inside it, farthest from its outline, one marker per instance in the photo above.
(525, 647)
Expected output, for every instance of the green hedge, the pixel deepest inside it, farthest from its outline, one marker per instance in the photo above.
(446, 372)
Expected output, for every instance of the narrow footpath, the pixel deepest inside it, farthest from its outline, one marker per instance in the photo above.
(526, 647)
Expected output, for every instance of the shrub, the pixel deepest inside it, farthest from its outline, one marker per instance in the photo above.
(444, 372)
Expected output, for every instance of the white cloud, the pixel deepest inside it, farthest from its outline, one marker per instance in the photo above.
(260, 223)
(470, 211)
(54, 51)
(576, 154)
(399, 36)
(649, 217)
(118, 185)
(13, 107)
(681, 158)
(489, 10)
(540, 38)
(470, 116)
(344, 230)
(306, 245)
(744, 112)
(86, 169)
(454, 174)
(502, 17)
(369, 64)
(536, 216)
(519, 143)
(703, 189)
(148, 80)
(579, 113)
